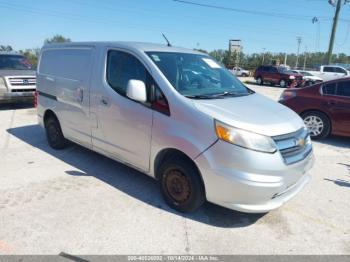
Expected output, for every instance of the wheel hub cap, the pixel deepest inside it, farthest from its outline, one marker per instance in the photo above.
(314, 124)
(178, 186)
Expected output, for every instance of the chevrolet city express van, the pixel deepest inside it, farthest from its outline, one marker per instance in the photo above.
(178, 116)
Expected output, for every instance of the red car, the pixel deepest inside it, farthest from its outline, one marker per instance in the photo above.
(324, 107)
(278, 75)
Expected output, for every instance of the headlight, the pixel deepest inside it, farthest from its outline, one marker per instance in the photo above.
(3, 87)
(244, 138)
(291, 77)
(287, 94)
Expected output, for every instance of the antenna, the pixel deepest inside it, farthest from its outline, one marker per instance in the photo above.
(166, 39)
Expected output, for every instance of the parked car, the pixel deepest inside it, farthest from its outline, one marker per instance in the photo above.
(325, 107)
(330, 72)
(277, 75)
(17, 78)
(309, 79)
(178, 116)
(238, 71)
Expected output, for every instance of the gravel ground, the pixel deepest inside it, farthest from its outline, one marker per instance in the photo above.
(78, 202)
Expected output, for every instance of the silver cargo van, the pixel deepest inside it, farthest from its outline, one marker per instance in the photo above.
(178, 116)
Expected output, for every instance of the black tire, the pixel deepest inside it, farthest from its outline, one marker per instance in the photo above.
(283, 83)
(319, 118)
(54, 134)
(244, 75)
(181, 185)
(260, 80)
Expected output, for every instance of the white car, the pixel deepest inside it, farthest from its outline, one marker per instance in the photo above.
(330, 72)
(238, 71)
(178, 116)
(309, 78)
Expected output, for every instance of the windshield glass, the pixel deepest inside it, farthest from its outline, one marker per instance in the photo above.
(14, 62)
(285, 70)
(197, 76)
(306, 73)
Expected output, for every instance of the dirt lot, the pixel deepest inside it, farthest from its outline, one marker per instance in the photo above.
(79, 202)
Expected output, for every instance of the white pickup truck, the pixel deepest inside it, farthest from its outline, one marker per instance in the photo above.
(330, 72)
(238, 71)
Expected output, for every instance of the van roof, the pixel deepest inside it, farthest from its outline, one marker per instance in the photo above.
(146, 47)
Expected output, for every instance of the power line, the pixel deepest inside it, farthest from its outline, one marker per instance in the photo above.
(246, 11)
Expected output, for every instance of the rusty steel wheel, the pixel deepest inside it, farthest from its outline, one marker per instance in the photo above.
(178, 186)
(181, 184)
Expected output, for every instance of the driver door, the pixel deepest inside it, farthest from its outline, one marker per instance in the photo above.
(123, 126)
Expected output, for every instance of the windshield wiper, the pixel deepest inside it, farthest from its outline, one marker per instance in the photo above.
(202, 96)
(228, 94)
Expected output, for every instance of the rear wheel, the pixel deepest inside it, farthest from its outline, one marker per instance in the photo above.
(244, 75)
(317, 123)
(54, 133)
(181, 185)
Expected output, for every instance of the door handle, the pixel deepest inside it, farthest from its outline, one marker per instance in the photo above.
(332, 103)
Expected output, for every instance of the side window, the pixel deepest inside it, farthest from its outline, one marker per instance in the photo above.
(328, 69)
(339, 70)
(329, 89)
(343, 88)
(122, 67)
(273, 70)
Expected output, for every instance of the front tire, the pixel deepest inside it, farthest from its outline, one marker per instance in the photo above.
(181, 185)
(260, 81)
(283, 83)
(317, 123)
(54, 134)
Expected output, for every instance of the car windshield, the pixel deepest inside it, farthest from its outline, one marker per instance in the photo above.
(285, 70)
(198, 76)
(306, 73)
(14, 62)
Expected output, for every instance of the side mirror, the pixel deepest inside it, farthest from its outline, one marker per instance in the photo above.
(136, 90)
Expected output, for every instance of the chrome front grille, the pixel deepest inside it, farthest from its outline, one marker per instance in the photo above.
(22, 81)
(294, 147)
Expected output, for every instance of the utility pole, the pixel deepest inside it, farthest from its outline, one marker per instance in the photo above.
(299, 42)
(334, 29)
(305, 54)
(285, 59)
(263, 58)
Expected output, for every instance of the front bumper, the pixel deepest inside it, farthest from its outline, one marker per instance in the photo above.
(250, 181)
(10, 97)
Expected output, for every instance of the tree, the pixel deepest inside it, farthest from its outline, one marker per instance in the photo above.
(57, 39)
(6, 48)
(31, 55)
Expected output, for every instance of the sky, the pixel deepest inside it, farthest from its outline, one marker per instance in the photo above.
(269, 25)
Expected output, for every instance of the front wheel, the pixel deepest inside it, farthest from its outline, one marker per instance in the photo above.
(283, 83)
(260, 81)
(181, 185)
(317, 123)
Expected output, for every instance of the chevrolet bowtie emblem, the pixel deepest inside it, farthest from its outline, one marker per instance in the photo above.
(300, 142)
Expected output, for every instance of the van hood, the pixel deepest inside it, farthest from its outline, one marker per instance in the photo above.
(254, 113)
(17, 73)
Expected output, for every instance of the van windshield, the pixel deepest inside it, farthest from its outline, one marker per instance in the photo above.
(14, 62)
(198, 76)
